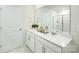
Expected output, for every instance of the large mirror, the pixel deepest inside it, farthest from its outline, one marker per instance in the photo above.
(56, 17)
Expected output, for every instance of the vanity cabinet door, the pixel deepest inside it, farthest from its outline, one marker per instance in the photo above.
(39, 47)
(30, 41)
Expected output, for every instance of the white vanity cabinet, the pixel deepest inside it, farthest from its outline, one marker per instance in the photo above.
(46, 46)
(39, 44)
(30, 40)
(41, 48)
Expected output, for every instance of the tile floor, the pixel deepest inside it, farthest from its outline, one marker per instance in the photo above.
(23, 49)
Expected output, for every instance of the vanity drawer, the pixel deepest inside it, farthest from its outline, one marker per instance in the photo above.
(49, 44)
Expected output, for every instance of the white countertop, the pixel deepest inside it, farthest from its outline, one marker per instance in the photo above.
(56, 39)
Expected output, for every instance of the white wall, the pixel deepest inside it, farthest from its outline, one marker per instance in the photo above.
(0, 29)
(75, 23)
(29, 15)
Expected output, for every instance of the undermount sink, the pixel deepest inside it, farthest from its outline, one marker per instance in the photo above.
(53, 33)
(45, 32)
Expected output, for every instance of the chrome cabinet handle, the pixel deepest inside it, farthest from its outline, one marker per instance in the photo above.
(20, 29)
(29, 38)
(43, 49)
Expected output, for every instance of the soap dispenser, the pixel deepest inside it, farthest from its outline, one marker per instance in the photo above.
(46, 29)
